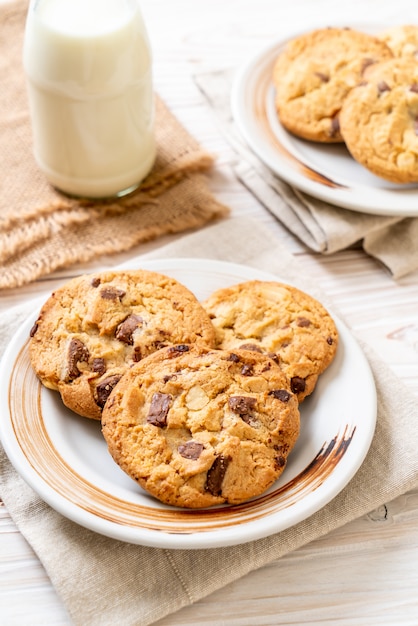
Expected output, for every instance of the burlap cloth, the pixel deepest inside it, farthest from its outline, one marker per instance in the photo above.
(42, 230)
(104, 582)
(322, 227)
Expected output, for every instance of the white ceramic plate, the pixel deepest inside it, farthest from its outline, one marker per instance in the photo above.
(65, 459)
(325, 171)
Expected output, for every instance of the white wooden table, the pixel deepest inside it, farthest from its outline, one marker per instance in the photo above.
(366, 572)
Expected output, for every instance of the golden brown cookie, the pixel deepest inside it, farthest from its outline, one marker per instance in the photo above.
(96, 326)
(402, 40)
(315, 72)
(197, 427)
(280, 320)
(379, 120)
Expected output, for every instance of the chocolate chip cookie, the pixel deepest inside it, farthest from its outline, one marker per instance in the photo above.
(315, 72)
(279, 320)
(196, 427)
(379, 120)
(96, 326)
(402, 40)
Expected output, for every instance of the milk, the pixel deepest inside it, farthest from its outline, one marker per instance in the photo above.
(88, 68)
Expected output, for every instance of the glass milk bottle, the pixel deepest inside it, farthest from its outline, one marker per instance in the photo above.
(88, 69)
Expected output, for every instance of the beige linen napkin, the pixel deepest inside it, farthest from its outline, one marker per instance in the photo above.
(103, 582)
(42, 230)
(319, 225)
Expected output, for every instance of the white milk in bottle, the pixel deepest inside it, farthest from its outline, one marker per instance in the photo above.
(88, 69)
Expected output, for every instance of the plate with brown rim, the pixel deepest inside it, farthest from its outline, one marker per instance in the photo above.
(325, 171)
(64, 458)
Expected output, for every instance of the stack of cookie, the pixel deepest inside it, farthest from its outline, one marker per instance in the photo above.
(199, 402)
(343, 85)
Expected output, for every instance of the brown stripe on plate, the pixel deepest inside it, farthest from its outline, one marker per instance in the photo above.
(25, 402)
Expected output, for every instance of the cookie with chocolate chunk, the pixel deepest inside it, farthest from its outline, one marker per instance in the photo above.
(96, 326)
(279, 320)
(379, 120)
(196, 427)
(402, 40)
(315, 72)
